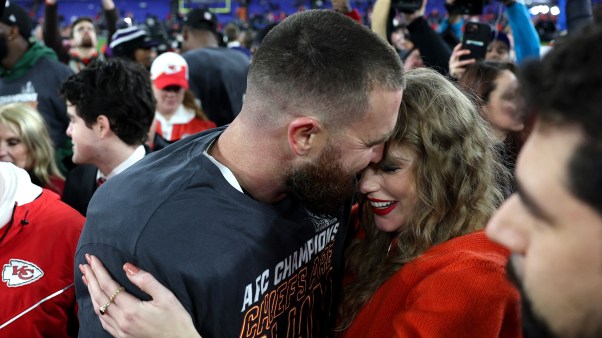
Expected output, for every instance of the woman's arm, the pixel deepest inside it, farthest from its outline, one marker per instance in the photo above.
(526, 39)
(380, 15)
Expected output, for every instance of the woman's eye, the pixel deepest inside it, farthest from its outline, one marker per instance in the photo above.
(13, 142)
(388, 168)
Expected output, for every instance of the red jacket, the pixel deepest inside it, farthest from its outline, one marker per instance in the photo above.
(180, 131)
(37, 258)
(455, 289)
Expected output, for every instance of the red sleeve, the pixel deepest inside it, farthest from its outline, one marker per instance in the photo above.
(461, 301)
(355, 15)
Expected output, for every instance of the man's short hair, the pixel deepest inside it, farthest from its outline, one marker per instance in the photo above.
(120, 90)
(564, 91)
(324, 62)
(82, 19)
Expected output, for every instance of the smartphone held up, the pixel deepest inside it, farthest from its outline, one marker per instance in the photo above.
(476, 39)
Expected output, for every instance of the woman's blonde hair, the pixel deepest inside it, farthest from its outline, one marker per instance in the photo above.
(455, 174)
(26, 122)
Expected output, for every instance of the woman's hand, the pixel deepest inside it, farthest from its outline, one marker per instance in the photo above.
(457, 66)
(126, 315)
(409, 17)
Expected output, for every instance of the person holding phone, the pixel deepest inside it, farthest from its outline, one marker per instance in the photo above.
(526, 42)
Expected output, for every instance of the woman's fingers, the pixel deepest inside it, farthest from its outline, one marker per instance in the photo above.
(147, 283)
(464, 63)
(99, 282)
(104, 280)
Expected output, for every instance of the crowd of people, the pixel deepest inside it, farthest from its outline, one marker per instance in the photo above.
(333, 180)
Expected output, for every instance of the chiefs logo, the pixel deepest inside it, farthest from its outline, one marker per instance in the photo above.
(19, 272)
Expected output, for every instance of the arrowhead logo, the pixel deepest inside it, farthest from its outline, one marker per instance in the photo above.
(19, 272)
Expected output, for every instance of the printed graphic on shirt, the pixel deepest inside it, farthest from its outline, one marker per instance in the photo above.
(300, 286)
(19, 272)
(28, 95)
(320, 221)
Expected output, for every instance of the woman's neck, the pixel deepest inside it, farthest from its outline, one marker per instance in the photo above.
(167, 115)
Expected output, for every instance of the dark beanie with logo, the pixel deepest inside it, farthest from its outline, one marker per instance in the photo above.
(14, 15)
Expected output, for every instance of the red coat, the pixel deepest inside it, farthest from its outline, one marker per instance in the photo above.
(455, 289)
(37, 258)
(180, 131)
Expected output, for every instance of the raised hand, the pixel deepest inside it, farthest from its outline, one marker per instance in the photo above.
(457, 66)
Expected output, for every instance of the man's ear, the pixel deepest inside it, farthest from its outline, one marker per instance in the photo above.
(303, 135)
(103, 124)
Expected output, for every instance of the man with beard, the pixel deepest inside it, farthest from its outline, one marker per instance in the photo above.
(553, 224)
(30, 72)
(246, 224)
(83, 47)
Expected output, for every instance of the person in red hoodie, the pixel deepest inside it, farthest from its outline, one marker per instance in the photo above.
(38, 236)
(421, 265)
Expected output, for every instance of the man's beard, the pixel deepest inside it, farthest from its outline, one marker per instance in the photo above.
(86, 42)
(322, 186)
(3, 48)
(533, 325)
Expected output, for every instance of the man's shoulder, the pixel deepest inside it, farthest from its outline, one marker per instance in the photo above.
(159, 173)
(49, 72)
(133, 198)
(50, 64)
(211, 53)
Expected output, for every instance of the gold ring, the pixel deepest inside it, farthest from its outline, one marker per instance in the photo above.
(103, 309)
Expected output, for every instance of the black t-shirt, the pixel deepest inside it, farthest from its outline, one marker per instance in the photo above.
(240, 267)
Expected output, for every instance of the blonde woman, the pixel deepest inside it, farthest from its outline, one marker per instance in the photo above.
(25, 141)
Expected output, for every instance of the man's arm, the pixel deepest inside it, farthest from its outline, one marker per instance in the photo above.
(578, 14)
(111, 17)
(52, 35)
(435, 52)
